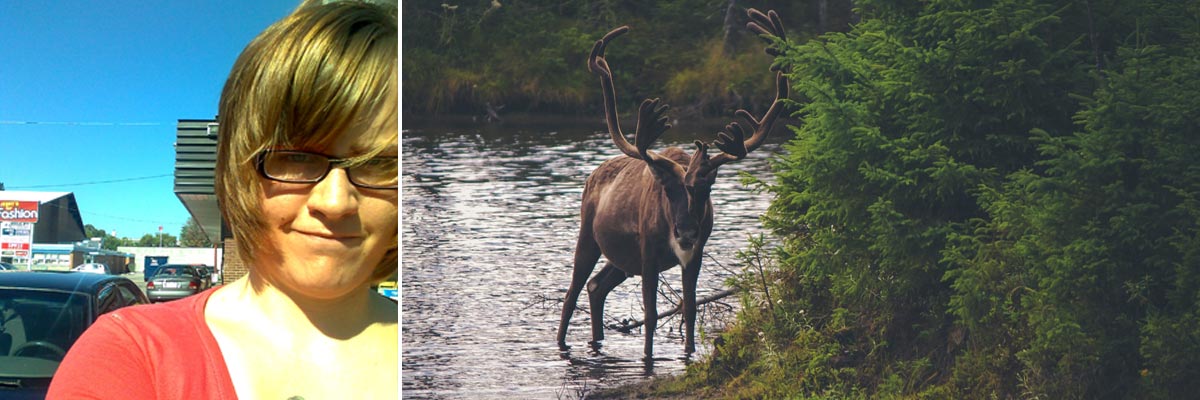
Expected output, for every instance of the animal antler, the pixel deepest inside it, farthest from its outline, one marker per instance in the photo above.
(652, 119)
(731, 142)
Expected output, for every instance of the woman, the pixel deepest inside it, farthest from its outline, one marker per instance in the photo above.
(306, 178)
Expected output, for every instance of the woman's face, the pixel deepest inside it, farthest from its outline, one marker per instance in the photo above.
(325, 239)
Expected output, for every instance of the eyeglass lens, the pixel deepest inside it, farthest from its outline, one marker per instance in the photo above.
(302, 167)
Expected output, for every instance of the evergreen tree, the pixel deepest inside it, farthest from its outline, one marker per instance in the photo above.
(984, 200)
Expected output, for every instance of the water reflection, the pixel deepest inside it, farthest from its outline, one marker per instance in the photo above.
(490, 218)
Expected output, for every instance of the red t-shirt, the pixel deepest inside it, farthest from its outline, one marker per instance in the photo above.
(159, 351)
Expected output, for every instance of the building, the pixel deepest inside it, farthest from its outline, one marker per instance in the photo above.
(58, 218)
(175, 255)
(195, 166)
(65, 256)
(57, 240)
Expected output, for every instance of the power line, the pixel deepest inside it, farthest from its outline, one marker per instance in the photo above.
(92, 182)
(127, 219)
(77, 123)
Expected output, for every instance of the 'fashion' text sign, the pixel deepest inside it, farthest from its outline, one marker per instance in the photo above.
(18, 211)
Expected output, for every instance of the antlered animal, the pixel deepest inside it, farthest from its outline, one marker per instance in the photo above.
(647, 211)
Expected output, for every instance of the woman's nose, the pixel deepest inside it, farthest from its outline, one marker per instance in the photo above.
(335, 197)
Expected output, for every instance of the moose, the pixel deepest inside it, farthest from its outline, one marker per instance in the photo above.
(648, 211)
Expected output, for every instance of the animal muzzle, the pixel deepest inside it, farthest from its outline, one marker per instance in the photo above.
(686, 239)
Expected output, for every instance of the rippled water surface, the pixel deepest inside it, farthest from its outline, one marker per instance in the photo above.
(490, 218)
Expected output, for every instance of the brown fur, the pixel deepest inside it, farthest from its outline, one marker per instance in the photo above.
(647, 212)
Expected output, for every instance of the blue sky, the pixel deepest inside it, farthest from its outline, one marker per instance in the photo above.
(90, 91)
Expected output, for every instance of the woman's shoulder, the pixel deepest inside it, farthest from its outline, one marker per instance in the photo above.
(143, 351)
(173, 314)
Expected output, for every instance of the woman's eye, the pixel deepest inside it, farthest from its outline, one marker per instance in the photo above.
(299, 158)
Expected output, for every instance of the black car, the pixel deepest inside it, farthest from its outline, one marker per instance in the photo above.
(43, 313)
(174, 281)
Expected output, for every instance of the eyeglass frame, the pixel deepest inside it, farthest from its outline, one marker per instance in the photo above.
(331, 163)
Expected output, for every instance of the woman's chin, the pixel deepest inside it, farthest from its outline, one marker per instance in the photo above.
(324, 286)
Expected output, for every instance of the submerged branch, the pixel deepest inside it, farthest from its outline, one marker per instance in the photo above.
(626, 326)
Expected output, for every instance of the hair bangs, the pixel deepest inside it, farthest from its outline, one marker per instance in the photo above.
(337, 82)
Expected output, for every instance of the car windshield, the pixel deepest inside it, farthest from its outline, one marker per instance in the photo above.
(38, 327)
(173, 271)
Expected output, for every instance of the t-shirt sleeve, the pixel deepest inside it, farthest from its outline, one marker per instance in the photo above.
(106, 362)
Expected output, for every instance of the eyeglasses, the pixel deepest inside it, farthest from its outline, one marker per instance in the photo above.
(294, 166)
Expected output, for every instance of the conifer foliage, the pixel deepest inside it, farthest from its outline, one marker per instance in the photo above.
(984, 200)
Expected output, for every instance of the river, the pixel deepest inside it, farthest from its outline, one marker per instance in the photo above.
(490, 215)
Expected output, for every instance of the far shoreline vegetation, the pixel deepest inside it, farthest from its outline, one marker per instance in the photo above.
(978, 199)
(530, 57)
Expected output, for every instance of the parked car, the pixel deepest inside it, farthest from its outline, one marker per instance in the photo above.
(92, 268)
(54, 309)
(7, 267)
(205, 275)
(213, 278)
(174, 281)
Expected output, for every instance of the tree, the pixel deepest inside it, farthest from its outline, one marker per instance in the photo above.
(192, 235)
(107, 241)
(151, 240)
(985, 200)
(530, 55)
(110, 242)
(93, 232)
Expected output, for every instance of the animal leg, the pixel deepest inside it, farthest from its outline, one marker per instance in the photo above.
(598, 288)
(691, 273)
(650, 305)
(587, 252)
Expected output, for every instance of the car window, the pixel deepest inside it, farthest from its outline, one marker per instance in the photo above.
(175, 270)
(115, 296)
(108, 299)
(51, 322)
(129, 295)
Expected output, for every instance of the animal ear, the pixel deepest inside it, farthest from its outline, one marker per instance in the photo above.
(664, 169)
(698, 165)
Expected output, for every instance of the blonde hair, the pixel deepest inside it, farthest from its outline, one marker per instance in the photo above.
(300, 84)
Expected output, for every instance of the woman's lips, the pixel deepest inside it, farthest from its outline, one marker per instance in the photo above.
(327, 238)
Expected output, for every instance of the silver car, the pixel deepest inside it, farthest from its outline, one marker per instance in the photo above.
(174, 281)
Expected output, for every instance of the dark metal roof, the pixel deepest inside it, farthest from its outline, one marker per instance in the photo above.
(58, 215)
(56, 280)
(195, 166)
(195, 156)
